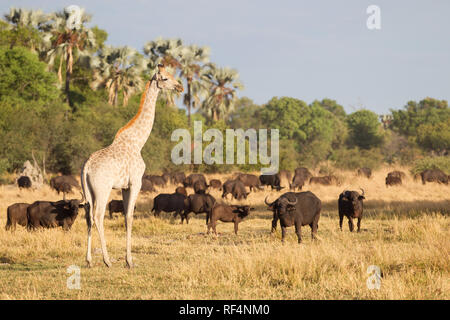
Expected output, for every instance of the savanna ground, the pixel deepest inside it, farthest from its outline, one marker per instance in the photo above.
(405, 231)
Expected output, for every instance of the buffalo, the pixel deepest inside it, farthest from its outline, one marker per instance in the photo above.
(297, 182)
(147, 185)
(198, 203)
(216, 184)
(16, 213)
(350, 204)
(174, 202)
(116, 206)
(157, 181)
(24, 182)
(250, 180)
(47, 214)
(236, 188)
(304, 172)
(200, 187)
(181, 190)
(399, 174)
(285, 176)
(393, 180)
(365, 172)
(192, 178)
(226, 213)
(296, 209)
(177, 177)
(434, 175)
(272, 180)
(64, 184)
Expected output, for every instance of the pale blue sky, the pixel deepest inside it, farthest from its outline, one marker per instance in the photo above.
(303, 49)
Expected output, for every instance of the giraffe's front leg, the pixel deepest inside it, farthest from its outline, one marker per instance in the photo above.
(129, 200)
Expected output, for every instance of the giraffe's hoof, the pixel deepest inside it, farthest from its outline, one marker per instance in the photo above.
(108, 263)
(89, 264)
(130, 265)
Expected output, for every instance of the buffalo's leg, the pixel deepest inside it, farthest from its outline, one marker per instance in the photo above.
(283, 233)
(341, 219)
(274, 222)
(298, 231)
(359, 224)
(236, 225)
(350, 224)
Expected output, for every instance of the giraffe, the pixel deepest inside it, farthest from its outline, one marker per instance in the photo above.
(120, 165)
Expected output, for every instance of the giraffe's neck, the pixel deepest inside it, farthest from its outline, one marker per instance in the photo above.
(136, 132)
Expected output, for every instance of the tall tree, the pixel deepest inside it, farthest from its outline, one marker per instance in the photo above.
(118, 69)
(24, 26)
(190, 63)
(68, 42)
(222, 85)
(364, 129)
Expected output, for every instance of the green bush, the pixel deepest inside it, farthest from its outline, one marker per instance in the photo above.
(442, 163)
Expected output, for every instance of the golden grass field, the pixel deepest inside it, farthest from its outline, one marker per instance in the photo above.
(405, 231)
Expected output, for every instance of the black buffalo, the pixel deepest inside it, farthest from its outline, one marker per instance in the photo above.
(393, 181)
(116, 206)
(250, 180)
(47, 214)
(272, 180)
(173, 202)
(236, 188)
(200, 187)
(24, 182)
(16, 213)
(199, 203)
(434, 175)
(192, 178)
(350, 205)
(147, 185)
(64, 184)
(296, 209)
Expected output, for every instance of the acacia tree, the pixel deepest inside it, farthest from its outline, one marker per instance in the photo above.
(67, 42)
(222, 85)
(118, 69)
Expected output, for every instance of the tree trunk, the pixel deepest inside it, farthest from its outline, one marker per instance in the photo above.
(68, 75)
(189, 102)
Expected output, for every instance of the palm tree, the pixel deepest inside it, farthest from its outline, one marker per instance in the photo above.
(65, 43)
(118, 69)
(167, 52)
(26, 24)
(191, 68)
(222, 84)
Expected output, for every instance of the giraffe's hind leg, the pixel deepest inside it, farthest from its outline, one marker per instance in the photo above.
(99, 214)
(129, 200)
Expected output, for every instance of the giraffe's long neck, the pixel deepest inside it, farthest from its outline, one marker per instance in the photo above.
(137, 130)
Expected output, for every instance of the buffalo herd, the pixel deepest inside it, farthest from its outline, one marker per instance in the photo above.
(290, 209)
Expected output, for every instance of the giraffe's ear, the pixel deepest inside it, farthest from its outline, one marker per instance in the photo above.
(161, 67)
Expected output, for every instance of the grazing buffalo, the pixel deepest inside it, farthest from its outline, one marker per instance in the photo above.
(325, 180)
(181, 190)
(272, 180)
(297, 182)
(434, 175)
(393, 180)
(174, 202)
(48, 214)
(250, 180)
(64, 184)
(216, 184)
(177, 177)
(192, 178)
(157, 181)
(24, 182)
(16, 213)
(236, 188)
(199, 203)
(226, 213)
(116, 206)
(200, 187)
(304, 172)
(399, 174)
(285, 176)
(365, 172)
(147, 185)
(350, 204)
(296, 209)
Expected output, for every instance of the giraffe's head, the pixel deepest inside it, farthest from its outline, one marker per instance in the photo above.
(165, 80)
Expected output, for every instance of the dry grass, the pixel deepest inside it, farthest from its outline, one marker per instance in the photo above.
(405, 232)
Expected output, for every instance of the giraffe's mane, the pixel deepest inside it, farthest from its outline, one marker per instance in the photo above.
(136, 116)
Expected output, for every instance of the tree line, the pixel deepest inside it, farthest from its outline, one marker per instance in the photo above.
(64, 93)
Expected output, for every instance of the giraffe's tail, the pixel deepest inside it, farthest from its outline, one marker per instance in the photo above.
(87, 195)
